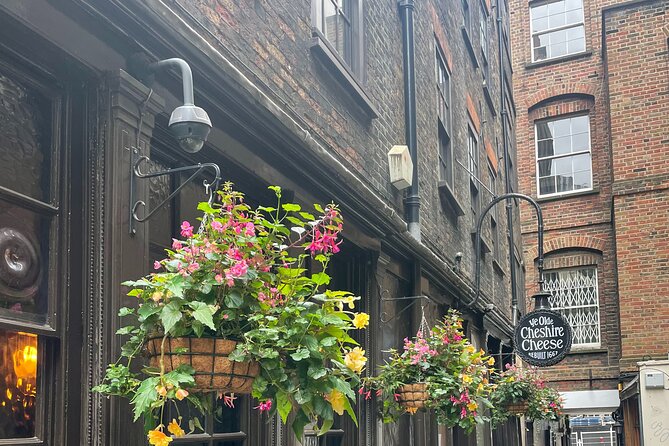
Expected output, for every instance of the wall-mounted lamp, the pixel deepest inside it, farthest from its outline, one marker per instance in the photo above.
(190, 125)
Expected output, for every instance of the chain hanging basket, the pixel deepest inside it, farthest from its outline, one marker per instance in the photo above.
(413, 395)
(518, 407)
(214, 371)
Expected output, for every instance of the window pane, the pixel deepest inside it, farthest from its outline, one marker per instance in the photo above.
(582, 180)
(18, 373)
(562, 144)
(24, 242)
(25, 140)
(546, 185)
(545, 148)
(540, 24)
(229, 419)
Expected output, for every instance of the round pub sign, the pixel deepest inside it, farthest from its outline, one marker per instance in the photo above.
(542, 337)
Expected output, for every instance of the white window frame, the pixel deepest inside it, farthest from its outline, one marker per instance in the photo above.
(575, 344)
(571, 154)
(557, 28)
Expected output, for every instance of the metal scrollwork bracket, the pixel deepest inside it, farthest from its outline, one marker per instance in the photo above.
(136, 173)
(391, 299)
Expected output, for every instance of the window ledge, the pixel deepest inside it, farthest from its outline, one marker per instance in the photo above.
(448, 197)
(555, 60)
(470, 47)
(488, 98)
(328, 55)
(498, 268)
(588, 351)
(567, 195)
(485, 246)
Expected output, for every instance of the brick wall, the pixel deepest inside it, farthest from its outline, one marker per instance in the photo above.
(578, 222)
(638, 69)
(271, 42)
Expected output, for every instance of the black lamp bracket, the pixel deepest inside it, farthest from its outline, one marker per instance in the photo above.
(136, 173)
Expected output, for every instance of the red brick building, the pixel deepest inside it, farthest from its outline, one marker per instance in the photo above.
(591, 82)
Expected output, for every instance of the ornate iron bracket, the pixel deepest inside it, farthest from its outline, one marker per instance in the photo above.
(136, 173)
(540, 241)
(388, 299)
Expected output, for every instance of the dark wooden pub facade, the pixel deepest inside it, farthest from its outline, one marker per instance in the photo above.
(318, 120)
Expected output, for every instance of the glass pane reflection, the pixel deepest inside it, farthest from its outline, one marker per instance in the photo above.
(18, 381)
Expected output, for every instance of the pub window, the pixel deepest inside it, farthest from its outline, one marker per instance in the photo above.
(576, 296)
(338, 22)
(29, 264)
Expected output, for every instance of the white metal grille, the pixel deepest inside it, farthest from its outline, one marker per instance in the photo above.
(576, 297)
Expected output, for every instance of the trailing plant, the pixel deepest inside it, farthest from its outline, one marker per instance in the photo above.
(257, 276)
(455, 372)
(524, 385)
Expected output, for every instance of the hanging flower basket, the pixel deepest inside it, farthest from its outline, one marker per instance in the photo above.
(517, 407)
(214, 371)
(413, 395)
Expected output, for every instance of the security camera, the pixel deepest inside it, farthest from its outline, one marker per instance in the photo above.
(190, 125)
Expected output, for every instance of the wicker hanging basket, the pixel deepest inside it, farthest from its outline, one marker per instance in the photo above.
(214, 371)
(518, 407)
(413, 395)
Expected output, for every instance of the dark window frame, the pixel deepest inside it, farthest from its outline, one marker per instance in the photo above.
(445, 118)
(351, 12)
(50, 332)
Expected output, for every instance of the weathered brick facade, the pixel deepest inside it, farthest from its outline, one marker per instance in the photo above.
(620, 225)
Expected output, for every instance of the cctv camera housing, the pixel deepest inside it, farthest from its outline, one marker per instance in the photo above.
(191, 126)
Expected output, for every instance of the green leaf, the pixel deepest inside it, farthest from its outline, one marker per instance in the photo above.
(319, 208)
(126, 330)
(329, 341)
(202, 313)
(198, 328)
(316, 372)
(148, 309)
(145, 396)
(206, 208)
(327, 425)
(291, 207)
(170, 315)
(276, 189)
(307, 216)
(320, 279)
(295, 221)
(301, 420)
(310, 342)
(283, 405)
(300, 354)
(233, 299)
(176, 285)
(125, 311)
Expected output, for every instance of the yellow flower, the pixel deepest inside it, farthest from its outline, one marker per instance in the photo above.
(162, 391)
(361, 320)
(350, 301)
(480, 387)
(472, 406)
(466, 379)
(157, 296)
(470, 349)
(491, 361)
(158, 438)
(181, 394)
(355, 359)
(175, 429)
(337, 401)
(411, 410)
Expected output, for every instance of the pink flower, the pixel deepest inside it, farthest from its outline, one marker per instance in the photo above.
(193, 267)
(156, 265)
(463, 412)
(186, 229)
(217, 226)
(239, 269)
(226, 316)
(176, 245)
(250, 230)
(219, 278)
(228, 400)
(264, 407)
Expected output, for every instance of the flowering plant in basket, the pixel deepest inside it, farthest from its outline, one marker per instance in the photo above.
(240, 285)
(453, 374)
(522, 391)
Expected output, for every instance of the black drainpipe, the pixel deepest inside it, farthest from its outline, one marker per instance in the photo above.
(507, 172)
(412, 201)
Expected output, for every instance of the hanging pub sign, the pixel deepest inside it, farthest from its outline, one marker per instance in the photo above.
(543, 336)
